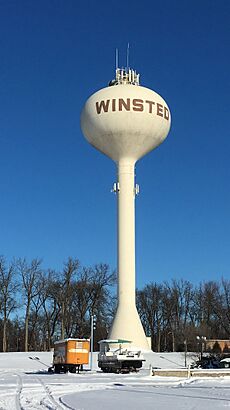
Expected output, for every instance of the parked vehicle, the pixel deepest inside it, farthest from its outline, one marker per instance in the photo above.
(207, 362)
(70, 355)
(116, 356)
(225, 363)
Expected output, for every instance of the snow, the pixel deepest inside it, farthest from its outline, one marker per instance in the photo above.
(25, 384)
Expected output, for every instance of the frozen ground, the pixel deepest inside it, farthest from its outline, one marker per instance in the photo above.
(26, 385)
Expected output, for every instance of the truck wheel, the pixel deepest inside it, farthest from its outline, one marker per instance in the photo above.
(57, 369)
(72, 369)
(105, 370)
(50, 370)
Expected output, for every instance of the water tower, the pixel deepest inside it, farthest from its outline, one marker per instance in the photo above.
(125, 121)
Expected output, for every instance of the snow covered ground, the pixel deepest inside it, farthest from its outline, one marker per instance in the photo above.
(25, 384)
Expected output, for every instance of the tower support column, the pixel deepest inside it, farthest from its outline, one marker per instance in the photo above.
(127, 324)
(126, 233)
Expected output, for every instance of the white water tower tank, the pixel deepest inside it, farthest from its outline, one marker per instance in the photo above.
(126, 121)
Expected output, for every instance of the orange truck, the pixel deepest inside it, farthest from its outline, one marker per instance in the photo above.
(70, 355)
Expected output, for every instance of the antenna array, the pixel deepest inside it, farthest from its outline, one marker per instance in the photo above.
(124, 75)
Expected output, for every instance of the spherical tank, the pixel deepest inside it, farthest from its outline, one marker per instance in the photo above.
(125, 121)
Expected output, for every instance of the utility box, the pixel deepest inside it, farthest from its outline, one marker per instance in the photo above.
(70, 355)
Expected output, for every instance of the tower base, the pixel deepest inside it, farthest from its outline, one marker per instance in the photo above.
(127, 325)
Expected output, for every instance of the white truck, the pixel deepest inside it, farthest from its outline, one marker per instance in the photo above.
(116, 356)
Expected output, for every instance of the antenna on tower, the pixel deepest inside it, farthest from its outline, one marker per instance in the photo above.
(127, 57)
(124, 75)
(116, 58)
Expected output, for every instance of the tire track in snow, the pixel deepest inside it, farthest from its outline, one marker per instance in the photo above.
(18, 393)
(57, 405)
(46, 402)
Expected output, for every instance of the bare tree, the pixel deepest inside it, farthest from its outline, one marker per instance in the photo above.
(51, 308)
(82, 302)
(90, 295)
(226, 305)
(65, 284)
(31, 286)
(217, 303)
(149, 304)
(70, 297)
(101, 280)
(177, 305)
(8, 289)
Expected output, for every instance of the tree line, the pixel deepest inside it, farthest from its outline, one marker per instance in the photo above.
(39, 306)
(175, 313)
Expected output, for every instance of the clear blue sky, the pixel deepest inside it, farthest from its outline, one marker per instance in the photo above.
(55, 198)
